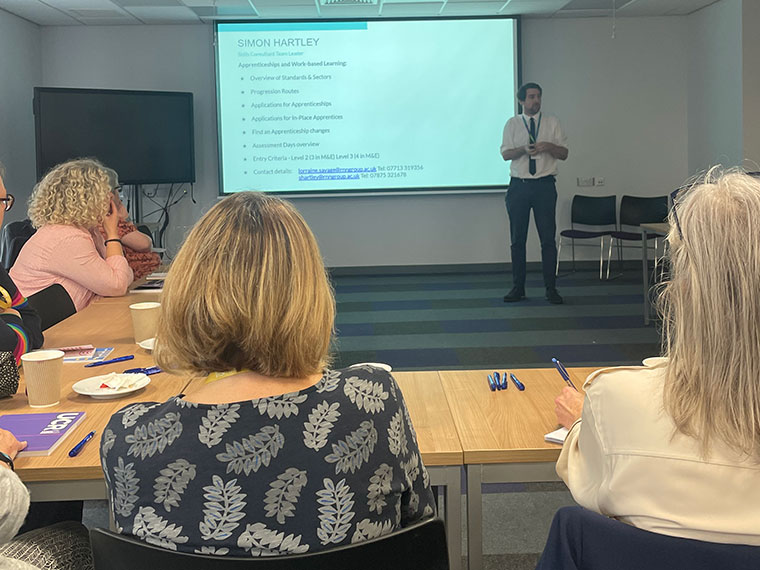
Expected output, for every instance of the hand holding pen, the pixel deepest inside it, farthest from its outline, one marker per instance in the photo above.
(563, 372)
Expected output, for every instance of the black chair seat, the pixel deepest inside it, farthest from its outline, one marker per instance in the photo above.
(418, 547)
(582, 234)
(12, 239)
(633, 236)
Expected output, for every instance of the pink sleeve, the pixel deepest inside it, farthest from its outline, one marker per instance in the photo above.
(79, 260)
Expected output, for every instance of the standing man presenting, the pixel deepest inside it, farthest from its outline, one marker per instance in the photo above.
(534, 142)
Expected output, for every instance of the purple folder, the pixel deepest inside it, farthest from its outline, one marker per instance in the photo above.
(42, 432)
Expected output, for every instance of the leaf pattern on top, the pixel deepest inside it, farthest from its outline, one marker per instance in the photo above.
(127, 487)
(350, 453)
(131, 414)
(397, 436)
(411, 468)
(154, 436)
(216, 423)
(261, 541)
(427, 511)
(335, 512)
(212, 551)
(282, 496)
(319, 425)
(182, 403)
(379, 487)
(253, 451)
(409, 420)
(154, 530)
(106, 444)
(367, 529)
(329, 381)
(281, 406)
(222, 509)
(172, 482)
(367, 395)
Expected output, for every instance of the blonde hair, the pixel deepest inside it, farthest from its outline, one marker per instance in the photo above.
(74, 193)
(711, 310)
(247, 290)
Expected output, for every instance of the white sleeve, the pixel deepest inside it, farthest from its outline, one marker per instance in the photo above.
(14, 504)
(507, 138)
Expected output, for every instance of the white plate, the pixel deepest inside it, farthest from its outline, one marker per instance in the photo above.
(91, 386)
(654, 361)
(386, 367)
(147, 344)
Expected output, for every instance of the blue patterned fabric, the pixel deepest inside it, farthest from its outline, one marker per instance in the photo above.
(333, 464)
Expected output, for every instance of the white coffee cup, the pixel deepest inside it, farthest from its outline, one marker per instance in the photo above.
(144, 319)
(42, 375)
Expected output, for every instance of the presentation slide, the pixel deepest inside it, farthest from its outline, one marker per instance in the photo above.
(387, 105)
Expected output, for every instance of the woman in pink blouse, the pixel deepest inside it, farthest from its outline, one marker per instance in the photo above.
(67, 206)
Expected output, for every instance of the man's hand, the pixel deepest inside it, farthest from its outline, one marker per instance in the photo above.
(10, 311)
(10, 445)
(111, 221)
(532, 149)
(568, 406)
(559, 152)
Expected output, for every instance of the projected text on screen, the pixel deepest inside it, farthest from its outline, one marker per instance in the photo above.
(379, 105)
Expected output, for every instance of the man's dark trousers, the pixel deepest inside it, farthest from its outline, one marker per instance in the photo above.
(539, 194)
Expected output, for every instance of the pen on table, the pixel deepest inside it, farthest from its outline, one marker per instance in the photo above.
(103, 362)
(497, 381)
(519, 385)
(501, 381)
(563, 372)
(78, 447)
(491, 384)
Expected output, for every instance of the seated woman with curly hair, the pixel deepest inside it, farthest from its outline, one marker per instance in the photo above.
(67, 206)
(274, 453)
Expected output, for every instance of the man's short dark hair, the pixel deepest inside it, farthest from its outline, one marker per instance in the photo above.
(522, 93)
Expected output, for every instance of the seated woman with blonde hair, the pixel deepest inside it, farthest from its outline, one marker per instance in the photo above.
(67, 206)
(675, 448)
(273, 453)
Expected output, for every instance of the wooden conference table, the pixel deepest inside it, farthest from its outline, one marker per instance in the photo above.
(497, 436)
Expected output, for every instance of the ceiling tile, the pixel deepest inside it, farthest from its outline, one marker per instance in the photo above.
(37, 12)
(163, 14)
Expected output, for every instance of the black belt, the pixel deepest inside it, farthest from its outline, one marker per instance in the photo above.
(527, 180)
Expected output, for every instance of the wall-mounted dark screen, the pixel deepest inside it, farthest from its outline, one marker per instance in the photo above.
(146, 136)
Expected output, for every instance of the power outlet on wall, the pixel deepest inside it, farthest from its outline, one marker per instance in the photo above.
(585, 182)
(599, 181)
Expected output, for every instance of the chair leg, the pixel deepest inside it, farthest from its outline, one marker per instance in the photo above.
(559, 250)
(601, 257)
(609, 256)
(572, 244)
(656, 249)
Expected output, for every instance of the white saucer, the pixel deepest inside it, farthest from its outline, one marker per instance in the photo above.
(91, 386)
(654, 361)
(147, 344)
(386, 367)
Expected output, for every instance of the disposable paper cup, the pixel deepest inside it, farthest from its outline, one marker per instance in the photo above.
(42, 374)
(144, 320)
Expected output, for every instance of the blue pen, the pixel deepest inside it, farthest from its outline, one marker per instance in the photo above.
(497, 381)
(563, 372)
(504, 381)
(104, 362)
(491, 384)
(78, 447)
(147, 371)
(519, 385)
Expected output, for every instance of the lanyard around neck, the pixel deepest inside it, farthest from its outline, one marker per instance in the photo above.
(538, 128)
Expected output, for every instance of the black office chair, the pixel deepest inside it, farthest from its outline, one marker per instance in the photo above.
(52, 304)
(634, 211)
(419, 547)
(580, 539)
(12, 239)
(597, 211)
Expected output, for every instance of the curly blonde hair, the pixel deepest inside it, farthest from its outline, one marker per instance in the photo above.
(74, 193)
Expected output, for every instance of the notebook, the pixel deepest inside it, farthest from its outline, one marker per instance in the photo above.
(42, 432)
(557, 436)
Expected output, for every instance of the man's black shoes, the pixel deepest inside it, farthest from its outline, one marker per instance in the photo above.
(516, 294)
(552, 296)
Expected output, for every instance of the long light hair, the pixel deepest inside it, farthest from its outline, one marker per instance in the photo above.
(74, 193)
(247, 290)
(711, 310)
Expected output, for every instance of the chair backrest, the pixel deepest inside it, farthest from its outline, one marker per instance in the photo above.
(635, 210)
(12, 239)
(53, 304)
(580, 539)
(418, 547)
(593, 210)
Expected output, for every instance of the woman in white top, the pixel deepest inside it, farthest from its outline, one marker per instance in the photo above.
(675, 448)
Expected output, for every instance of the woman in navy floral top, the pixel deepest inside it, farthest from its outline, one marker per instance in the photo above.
(275, 453)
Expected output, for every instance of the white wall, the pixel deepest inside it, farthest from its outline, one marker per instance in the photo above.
(715, 86)
(751, 84)
(621, 101)
(20, 72)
